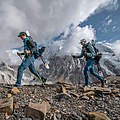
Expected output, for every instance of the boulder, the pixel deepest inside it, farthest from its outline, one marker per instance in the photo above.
(62, 97)
(89, 93)
(88, 89)
(15, 91)
(96, 115)
(98, 90)
(61, 89)
(37, 111)
(9, 95)
(114, 91)
(85, 98)
(6, 105)
(74, 94)
(102, 90)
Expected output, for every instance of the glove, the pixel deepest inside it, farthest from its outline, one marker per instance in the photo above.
(73, 56)
(19, 54)
(47, 66)
(28, 53)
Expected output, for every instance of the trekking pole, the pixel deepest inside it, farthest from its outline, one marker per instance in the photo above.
(46, 65)
(38, 75)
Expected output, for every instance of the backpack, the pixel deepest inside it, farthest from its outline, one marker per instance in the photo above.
(98, 55)
(33, 48)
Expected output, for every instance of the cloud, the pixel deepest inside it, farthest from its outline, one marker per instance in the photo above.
(116, 47)
(72, 44)
(43, 18)
(110, 5)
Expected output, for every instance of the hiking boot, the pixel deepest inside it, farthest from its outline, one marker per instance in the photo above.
(15, 86)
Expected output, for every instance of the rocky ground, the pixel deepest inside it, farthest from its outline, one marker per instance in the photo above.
(62, 101)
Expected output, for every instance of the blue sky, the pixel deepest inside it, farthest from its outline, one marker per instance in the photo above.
(106, 24)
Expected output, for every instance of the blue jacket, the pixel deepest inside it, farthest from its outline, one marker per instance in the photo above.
(87, 51)
(25, 44)
(28, 45)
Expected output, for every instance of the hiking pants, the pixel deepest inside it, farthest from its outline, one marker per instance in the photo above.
(89, 67)
(27, 62)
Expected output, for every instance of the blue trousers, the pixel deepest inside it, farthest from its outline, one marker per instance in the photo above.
(89, 67)
(27, 62)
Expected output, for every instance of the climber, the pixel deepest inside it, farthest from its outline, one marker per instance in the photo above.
(29, 50)
(89, 53)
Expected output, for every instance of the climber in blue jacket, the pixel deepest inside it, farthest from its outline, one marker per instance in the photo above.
(89, 53)
(29, 59)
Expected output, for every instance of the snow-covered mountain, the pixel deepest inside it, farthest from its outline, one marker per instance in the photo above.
(111, 59)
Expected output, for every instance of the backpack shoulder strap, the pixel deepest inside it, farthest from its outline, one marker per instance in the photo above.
(96, 50)
(87, 48)
(31, 44)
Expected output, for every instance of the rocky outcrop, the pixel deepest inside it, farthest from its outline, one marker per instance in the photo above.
(65, 101)
(96, 115)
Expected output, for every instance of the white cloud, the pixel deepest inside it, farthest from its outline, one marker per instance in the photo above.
(116, 47)
(108, 5)
(43, 18)
(112, 4)
(72, 45)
